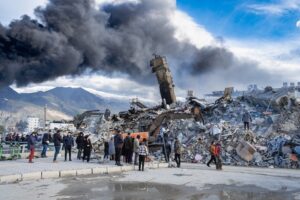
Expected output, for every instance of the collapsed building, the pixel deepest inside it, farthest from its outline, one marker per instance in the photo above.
(163, 74)
(272, 141)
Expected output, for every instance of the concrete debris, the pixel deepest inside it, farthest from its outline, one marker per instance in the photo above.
(246, 151)
(273, 139)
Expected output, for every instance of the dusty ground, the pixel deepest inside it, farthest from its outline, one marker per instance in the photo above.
(191, 182)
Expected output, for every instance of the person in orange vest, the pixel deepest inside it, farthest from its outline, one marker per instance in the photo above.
(212, 150)
(218, 156)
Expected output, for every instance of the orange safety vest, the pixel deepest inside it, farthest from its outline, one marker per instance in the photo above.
(212, 149)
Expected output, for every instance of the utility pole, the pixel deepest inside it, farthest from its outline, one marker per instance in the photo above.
(45, 116)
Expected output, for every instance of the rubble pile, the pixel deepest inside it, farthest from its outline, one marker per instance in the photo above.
(272, 141)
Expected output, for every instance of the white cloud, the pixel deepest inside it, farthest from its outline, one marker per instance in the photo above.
(298, 24)
(273, 56)
(279, 8)
(188, 30)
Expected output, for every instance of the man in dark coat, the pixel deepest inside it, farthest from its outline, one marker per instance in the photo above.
(177, 150)
(80, 144)
(87, 148)
(57, 144)
(128, 148)
(106, 150)
(68, 143)
(167, 151)
(45, 142)
(118, 145)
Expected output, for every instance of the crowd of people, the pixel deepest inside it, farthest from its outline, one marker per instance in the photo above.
(15, 137)
(134, 150)
(66, 143)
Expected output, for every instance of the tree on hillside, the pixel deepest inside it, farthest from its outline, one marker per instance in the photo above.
(2, 131)
(77, 120)
(21, 125)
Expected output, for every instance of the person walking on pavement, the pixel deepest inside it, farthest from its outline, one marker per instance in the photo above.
(118, 140)
(87, 148)
(45, 142)
(218, 156)
(246, 118)
(128, 146)
(112, 150)
(143, 153)
(136, 145)
(177, 150)
(68, 143)
(212, 150)
(80, 144)
(57, 140)
(31, 142)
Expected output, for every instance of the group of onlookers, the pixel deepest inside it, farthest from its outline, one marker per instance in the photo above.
(133, 149)
(15, 137)
(65, 142)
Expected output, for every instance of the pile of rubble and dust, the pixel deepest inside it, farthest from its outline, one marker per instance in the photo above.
(272, 141)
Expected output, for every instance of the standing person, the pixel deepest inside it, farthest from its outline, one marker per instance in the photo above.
(45, 142)
(218, 156)
(246, 118)
(128, 146)
(31, 142)
(68, 143)
(167, 151)
(131, 150)
(87, 148)
(112, 150)
(80, 144)
(212, 150)
(143, 152)
(118, 140)
(136, 145)
(177, 150)
(57, 144)
(106, 150)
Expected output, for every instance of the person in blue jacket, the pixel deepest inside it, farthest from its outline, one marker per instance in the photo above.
(31, 141)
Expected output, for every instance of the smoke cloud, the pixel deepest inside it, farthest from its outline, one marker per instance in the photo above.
(72, 36)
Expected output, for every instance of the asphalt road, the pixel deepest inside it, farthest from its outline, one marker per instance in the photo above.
(190, 182)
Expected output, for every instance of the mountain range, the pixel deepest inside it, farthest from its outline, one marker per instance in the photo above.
(62, 103)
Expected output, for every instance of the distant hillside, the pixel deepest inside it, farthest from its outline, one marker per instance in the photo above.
(62, 103)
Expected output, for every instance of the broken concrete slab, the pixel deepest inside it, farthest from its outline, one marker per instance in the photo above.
(245, 150)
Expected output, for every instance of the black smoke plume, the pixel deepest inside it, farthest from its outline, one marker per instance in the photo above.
(72, 36)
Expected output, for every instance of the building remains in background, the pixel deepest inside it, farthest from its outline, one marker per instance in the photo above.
(33, 123)
(62, 126)
(163, 74)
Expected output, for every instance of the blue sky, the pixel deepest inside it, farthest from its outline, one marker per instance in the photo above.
(238, 19)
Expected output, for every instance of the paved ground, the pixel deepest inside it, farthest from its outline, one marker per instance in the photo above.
(45, 164)
(192, 182)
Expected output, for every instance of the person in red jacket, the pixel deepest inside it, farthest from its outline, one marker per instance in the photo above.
(218, 156)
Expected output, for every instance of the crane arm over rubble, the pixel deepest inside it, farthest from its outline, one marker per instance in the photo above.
(155, 127)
